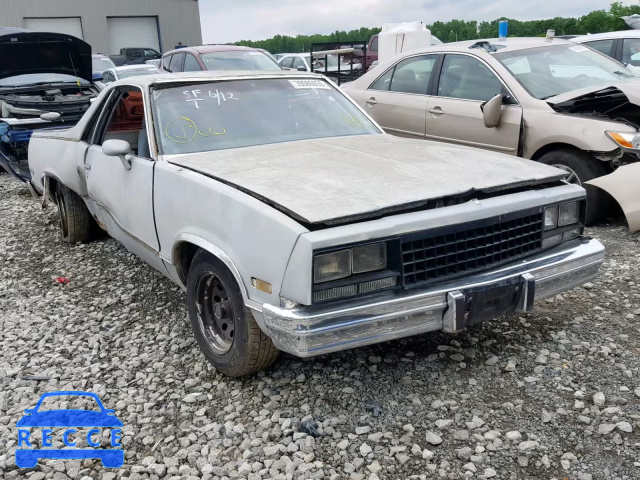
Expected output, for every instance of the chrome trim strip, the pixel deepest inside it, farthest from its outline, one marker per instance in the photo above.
(404, 132)
(484, 146)
(125, 231)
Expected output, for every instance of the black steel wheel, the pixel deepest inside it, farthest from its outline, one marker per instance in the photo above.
(225, 329)
(216, 317)
(76, 222)
(62, 214)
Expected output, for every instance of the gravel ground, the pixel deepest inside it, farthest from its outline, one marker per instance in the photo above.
(552, 394)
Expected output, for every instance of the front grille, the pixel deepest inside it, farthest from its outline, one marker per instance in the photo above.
(433, 256)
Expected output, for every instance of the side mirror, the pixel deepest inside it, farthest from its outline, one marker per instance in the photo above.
(492, 111)
(50, 117)
(118, 148)
(29, 411)
(302, 69)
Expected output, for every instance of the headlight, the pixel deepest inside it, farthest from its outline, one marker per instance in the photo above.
(626, 140)
(568, 214)
(369, 258)
(332, 266)
(341, 264)
(550, 218)
(556, 220)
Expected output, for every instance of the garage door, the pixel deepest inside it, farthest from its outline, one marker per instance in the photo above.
(132, 32)
(68, 25)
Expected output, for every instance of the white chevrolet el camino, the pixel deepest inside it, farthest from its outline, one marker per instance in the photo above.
(294, 223)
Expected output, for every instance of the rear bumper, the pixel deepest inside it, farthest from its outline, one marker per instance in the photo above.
(315, 330)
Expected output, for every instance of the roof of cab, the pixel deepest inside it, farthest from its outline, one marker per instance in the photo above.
(211, 48)
(504, 45)
(607, 36)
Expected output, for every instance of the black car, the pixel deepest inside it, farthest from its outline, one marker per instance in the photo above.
(45, 82)
(137, 56)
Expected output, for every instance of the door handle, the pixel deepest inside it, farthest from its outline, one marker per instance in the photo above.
(372, 101)
(437, 111)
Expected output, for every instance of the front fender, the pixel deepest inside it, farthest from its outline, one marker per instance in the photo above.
(584, 133)
(622, 185)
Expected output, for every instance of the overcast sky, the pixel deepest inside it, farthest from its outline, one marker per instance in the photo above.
(230, 21)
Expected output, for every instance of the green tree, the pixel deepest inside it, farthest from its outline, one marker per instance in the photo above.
(454, 30)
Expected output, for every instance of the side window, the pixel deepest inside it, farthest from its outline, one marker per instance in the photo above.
(298, 62)
(413, 74)
(151, 55)
(603, 46)
(467, 78)
(126, 121)
(176, 62)
(384, 81)
(287, 62)
(134, 53)
(98, 118)
(191, 64)
(631, 51)
(374, 45)
(107, 77)
(166, 61)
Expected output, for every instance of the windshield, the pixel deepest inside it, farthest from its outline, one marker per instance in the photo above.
(31, 78)
(549, 71)
(99, 65)
(134, 72)
(241, 113)
(238, 60)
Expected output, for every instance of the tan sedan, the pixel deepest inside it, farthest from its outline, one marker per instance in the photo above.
(543, 99)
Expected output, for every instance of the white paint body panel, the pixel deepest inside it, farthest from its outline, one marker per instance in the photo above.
(345, 177)
(161, 204)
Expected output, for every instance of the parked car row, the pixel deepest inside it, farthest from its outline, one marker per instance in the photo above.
(548, 100)
(329, 65)
(291, 217)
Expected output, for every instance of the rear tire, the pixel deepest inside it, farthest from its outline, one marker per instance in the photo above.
(76, 223)
(225, 329)
(582, 167)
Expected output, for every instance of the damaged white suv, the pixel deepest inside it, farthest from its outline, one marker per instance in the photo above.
(294, 223)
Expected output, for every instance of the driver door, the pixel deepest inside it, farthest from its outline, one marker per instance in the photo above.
(454, 113)
(124, 196)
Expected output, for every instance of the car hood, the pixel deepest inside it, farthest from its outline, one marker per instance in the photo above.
(341, 179)
(25, 52)
(631, 88)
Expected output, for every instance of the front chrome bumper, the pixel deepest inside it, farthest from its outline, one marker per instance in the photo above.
(314, 330)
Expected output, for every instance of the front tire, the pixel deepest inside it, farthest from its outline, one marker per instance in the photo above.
(225, 329)
(582, 167)
(76, 223)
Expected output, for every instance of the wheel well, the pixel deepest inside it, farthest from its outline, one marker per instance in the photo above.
(551, 147)
(53, 186)
(183, 255)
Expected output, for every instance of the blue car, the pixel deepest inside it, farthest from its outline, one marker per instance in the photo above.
(33, 417)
